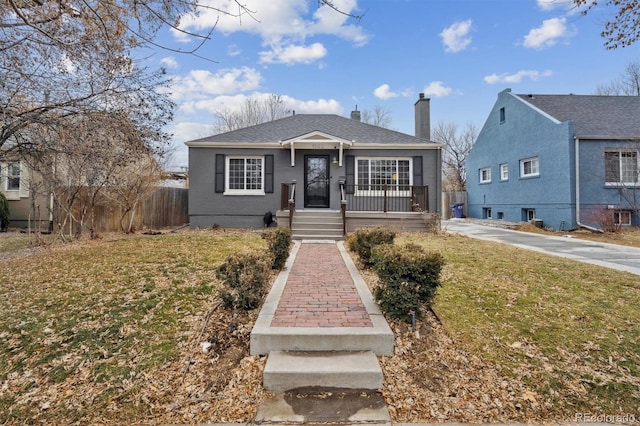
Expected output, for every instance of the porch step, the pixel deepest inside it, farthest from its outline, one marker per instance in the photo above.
(314, 224)
(377, 339)
(351, 370)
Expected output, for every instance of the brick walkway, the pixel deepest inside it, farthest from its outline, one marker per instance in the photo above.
(320, 292)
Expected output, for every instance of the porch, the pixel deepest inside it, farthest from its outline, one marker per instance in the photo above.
(405, 208)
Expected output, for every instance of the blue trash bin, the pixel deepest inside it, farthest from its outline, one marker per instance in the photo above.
(456, 210)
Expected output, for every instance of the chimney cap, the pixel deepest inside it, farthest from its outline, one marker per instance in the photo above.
(421, 95)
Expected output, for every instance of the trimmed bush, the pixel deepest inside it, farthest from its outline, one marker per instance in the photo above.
(409, 279)
(4, 213)
(364, 239)
(279, 240)
(246, 278)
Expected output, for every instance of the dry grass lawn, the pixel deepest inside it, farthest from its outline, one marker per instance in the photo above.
(110, 332)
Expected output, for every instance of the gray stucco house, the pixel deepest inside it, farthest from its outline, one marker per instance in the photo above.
(568, 160)
(310, 164)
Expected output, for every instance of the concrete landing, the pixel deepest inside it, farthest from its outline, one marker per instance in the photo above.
(354, 370)
(324, 405)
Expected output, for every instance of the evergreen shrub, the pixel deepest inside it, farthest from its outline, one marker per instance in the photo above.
(409, 277)
(363, 240)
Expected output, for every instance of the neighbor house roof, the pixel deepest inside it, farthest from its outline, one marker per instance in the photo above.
(297, 125)
(608, 116)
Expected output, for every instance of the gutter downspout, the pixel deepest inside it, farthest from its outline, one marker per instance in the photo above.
(577, 153)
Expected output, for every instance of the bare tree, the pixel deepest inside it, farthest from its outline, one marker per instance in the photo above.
(457, 144)
(620, 30)
(378, 116)
(628, 84)
(93, 161)
(256, 109)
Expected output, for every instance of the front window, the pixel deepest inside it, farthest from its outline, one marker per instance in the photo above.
(621, 167)
(13, 177)
(392, 174)
(529, 167)
(245, 175)
(485, 175)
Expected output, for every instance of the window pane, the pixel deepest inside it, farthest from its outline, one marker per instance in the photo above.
(13, 177)
(629, 166)
(363, 175)
(254, 173)
(236, 173)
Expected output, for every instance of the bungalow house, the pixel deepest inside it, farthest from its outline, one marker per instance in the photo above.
(564, 161)
(320, 174)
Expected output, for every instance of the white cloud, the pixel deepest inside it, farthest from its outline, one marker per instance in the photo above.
(384, 92)
(456, 37)
(199, 84)
(169, 62)
(293, 54)
(279, 23)
(215, 104)
(437, 89)
(517, 77)
(547, 34)
(548, 4)
(233, 50)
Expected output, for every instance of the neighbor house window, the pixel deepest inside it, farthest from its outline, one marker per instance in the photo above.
(502, 115)
(504, 171)
(621, 167)
(245, 175)
(485, 175)
(373, 174)
(486, 213)
(622, 217)
(13, 177)
(529, 167)
(529, 214)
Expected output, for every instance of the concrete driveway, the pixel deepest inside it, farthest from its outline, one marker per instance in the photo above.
(613, 256)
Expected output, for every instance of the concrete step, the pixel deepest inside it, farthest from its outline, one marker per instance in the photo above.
(378, 339)
(352, 370)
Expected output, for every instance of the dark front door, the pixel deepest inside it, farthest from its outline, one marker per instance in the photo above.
(316, 181)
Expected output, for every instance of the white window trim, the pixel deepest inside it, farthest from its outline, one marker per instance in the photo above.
(228, 191)
(13, 194)
(618, 215)
(482, 180)
(380, 193)
(533, 174)
(623, 184)
(504, 171)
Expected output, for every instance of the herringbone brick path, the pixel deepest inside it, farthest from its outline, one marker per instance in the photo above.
(319, 292)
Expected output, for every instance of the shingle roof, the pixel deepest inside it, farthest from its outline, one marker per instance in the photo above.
(613, 116)
(302, 124)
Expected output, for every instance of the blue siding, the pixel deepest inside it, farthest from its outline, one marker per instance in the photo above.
(525, 133)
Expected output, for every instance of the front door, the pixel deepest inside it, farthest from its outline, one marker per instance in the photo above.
(316, 181)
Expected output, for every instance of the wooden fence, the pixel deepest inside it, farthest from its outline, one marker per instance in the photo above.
(165, 207)
(449, 198)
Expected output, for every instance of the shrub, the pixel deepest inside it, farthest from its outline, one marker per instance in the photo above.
(245, 276)
(4, 213)
(409, 279)
(279, 240)
(364, 239)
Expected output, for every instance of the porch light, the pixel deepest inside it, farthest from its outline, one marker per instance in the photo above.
(335, 160)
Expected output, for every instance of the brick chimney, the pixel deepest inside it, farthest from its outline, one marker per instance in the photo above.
(423, 117)
(355, 115)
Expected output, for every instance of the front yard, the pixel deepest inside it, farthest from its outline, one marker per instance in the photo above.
(110, 331)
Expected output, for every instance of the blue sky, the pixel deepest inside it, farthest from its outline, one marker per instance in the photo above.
(460, 53)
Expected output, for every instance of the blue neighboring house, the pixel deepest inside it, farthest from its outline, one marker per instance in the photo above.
(569, 161)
